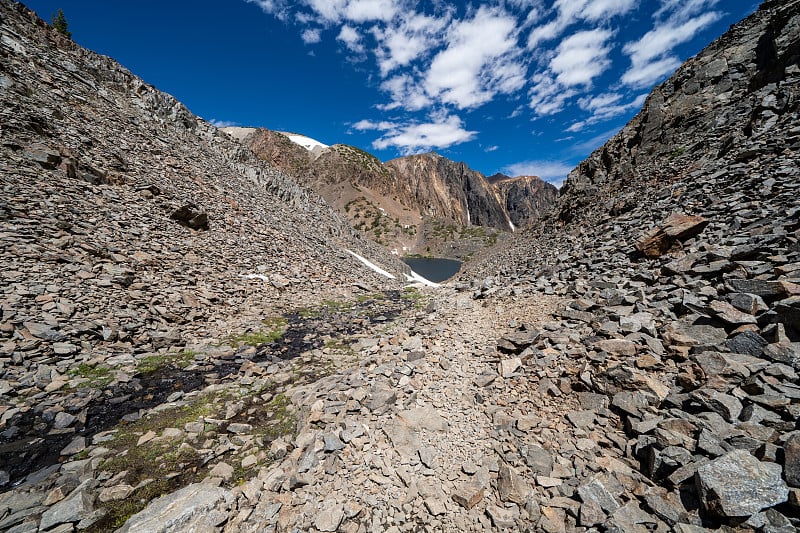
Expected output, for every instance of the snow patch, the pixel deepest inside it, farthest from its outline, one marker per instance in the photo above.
(255, 276)
(511, 225)
(306, 142)
(419, 279)
(371, 265)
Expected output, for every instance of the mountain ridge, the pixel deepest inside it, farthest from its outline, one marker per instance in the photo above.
(405, 199)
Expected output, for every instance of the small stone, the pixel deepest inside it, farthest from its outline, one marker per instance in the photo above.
(117, 492)
(427, 456)
(616, 346)
(747, 342)
(511, 487)
(791, 450)
(78, 444)
(729, 407)
(43, 331)
(468, 495)
(503, 518)
(435, 506)
(147, 437)
(240, 429)
(332, 442)
(595, 491)
(71, 509)
(507, 367)
(730, 314)
(64, 348)
(329, 518)
(63, 420)
(223, 470)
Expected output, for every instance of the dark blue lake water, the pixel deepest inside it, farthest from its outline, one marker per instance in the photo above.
(433, 268)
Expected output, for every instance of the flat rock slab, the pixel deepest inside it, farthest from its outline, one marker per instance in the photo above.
(424, 418)
(190, 508)
(739, 485)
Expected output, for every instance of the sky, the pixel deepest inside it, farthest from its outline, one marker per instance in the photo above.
(522, 87)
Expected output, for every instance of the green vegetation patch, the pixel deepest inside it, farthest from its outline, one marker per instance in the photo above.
(154, 363)
(275, 328)
(96, 376)
(414, 296)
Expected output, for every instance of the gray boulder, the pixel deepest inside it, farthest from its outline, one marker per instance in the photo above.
(739, 485)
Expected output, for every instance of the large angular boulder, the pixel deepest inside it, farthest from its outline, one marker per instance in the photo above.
(739, 485)
(192, 508)
(676, 227)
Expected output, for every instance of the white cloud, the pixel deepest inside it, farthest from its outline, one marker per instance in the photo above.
(581, 57)
(311, 36)
(276, 8)
(222, 123)
(578, 60)
(406, 93)
(367, 10)
(412, 38)
(554, 172)
(547, 96)
(442, 132)
(571, 11)
(480, 61)
(651, 56)
(328, 10)
(350, 37)
(604, 106)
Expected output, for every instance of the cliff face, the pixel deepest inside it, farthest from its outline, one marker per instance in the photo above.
(446, 189)
(525, 198)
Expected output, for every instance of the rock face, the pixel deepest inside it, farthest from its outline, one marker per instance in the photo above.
(525, 198)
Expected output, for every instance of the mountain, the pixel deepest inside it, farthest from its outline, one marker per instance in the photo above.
(190, 340)
(414, 204)
(525, 198)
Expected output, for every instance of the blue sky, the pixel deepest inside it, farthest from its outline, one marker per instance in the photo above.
(512, 86)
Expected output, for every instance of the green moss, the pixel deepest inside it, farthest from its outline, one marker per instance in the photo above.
(274, 331)
(335, 305)
(413, 295)
(154, 363)
(97, 376)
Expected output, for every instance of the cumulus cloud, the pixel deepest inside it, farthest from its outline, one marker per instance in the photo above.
(413, 37)
(441, 132)
(578, 60)
(569, 12)
(276, 8)
(651, 56)
(481, 59)
(311, 35)
(581, 57)
(222, 123)
(351, 38)
(541, 56)
(554, 172)
(603, 107)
